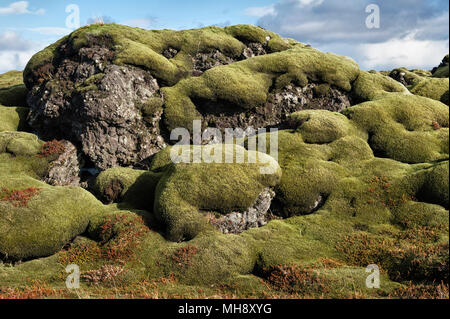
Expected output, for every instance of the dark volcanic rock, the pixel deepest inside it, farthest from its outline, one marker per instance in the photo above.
(256, 216)
(205, 61)
(279, 105)
(65, 170)
(97, 105)
(399, 76)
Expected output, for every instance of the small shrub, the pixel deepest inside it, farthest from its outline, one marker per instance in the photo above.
(37, 290)
(51, 148)
(183, 256)
(20, 197)
(80, 254)
(295, 279)
(421, 291)
(121, 236)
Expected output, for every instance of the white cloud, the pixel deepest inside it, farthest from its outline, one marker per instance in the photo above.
(304, 3)
(19, 7)
(407, 52)
(413, 33)
(15, 51)
(14, 60)
(10, 40)
(260, 11)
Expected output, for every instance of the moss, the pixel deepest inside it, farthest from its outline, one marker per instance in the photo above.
(412, 76)
(371, 184)
(219, 256)
(441, 72)
(19, 155)
(13, 118)
(435, 188)
(371, 86)
(152, 107)
(36, 67)
(187, 188)
(249, 33)
(136, 188)
(11, 78)
(436, 89)
(246, 84)
(12, 89)
(144, 48)
(20, 143)
(321, 127)
(401, 127)
(51, 219)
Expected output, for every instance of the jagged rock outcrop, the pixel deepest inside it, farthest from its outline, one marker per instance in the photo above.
(65, 169)
(98, 107)
(256, 216)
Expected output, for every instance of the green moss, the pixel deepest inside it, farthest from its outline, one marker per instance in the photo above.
(436, 89)
(41, 59)
(187, 188)
(371, 86)
(442, 72)
(246, 84)
(321, 127)
(138, 187)
(144, 48)
(375, 175)
(435, 188)
(12, 89)
(412, 77)
(20, 143)
(13, 118)
(401, 127)
(11, 78)
(52, 218)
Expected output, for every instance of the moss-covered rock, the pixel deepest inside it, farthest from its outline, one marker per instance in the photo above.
(245, 85)
(46, 222)
(363, 186)
(145, 48)
(135, 188)
(409, 129)
(436, 89)
(13, 118)
(12, 90)
(442, 70)
(186, 189)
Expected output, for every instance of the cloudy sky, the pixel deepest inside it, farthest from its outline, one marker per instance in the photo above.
(411, 33)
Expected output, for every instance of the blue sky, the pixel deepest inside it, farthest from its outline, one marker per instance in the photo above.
(412, 33)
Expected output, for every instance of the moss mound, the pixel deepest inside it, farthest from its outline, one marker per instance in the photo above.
(13, 118)
(145, 48)
(186, 189)
(409, 129)
(12, 90)
(48, 221)
(436, 89)
(245, 85)
(128, 186)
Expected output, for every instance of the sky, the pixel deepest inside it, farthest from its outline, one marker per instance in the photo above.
(408, 33)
